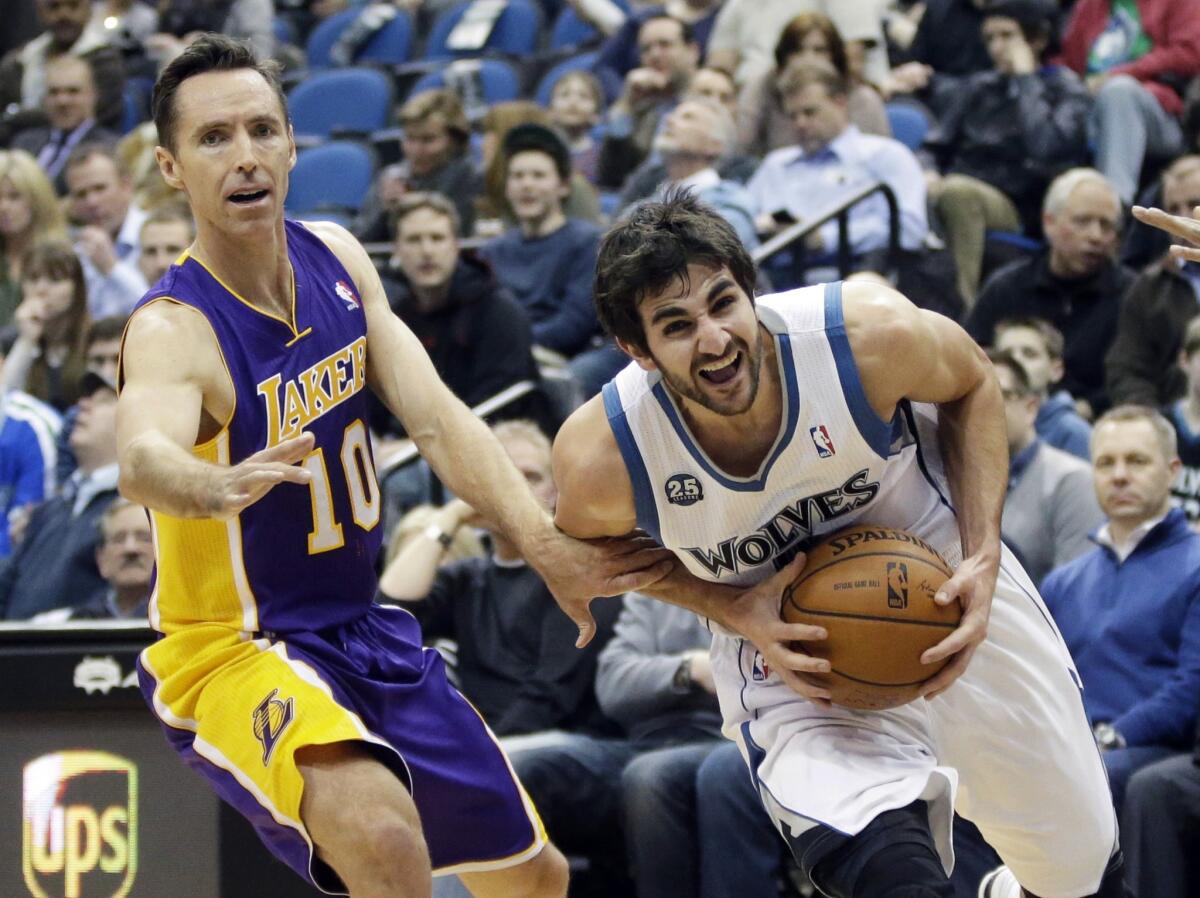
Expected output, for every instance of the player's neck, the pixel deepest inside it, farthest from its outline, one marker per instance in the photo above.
(738, 443)
(258, 270)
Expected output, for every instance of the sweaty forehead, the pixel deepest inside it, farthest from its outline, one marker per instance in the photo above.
(227, 94)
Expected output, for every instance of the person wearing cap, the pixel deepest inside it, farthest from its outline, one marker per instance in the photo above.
(1004, 135)
(55, 563)
(548, 260)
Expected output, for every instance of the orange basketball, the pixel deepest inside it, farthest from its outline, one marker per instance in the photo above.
(872, 589)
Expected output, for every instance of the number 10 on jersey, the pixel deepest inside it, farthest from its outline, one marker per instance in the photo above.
(361, 484)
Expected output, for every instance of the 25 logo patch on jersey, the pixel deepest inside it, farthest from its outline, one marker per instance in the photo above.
(822, 441)
(683, 489)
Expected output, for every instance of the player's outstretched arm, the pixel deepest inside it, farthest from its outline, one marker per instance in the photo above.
(471, 462)
(170, 362)
(1176, 225)
(904, 352)
(595, 499)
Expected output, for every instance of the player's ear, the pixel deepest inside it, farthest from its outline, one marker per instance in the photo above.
(291, 147)
(168, 167)
(642, 357)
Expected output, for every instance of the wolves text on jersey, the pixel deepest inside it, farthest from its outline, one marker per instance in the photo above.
(782, 534)
(313, 392)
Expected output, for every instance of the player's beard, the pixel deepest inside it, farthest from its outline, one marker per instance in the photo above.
(691, 387)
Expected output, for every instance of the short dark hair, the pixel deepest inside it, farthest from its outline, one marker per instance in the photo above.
(799, 74)
(686, 32)
(644, 252)
(1036, 18)
(435, 202)
(1052, 337)
(88, 149)
(171, 213)
(208, 53)
(532, 137)
(1002, 357)
(110, 327)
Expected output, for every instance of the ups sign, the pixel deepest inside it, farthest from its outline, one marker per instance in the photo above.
(79, 825)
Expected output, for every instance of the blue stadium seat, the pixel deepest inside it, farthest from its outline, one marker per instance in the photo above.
(517, 31)
(571, 31)
(391, 44)
(284, 30)
(334, 176)
(340, 99)
(608, 80)
(909, 124)
(498, 80)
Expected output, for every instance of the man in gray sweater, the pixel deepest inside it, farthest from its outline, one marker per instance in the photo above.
(1050, 507)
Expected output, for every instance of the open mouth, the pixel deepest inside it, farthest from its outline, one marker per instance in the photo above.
(247, 197)
(723, 369)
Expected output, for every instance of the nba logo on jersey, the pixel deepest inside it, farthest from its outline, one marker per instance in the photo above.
(820, 438)
(346, 295)
(760, 670)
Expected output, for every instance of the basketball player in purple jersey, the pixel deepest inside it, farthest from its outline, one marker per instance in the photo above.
(743, 429)
(241, 426)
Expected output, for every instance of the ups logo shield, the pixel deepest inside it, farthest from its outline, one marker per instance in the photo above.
(79, 825)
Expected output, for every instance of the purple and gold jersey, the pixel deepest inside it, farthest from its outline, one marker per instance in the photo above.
(302, 557)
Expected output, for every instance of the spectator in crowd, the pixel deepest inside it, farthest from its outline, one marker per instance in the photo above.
(1004, 135)
(747, 32)
(623, 51)
(101, 203)
(653, 679)
(125, 559)
(28, 430)
(436, 160)
(477, 335)
(29, 214)
(1050, 507)
(1184, 415)
(100, 357)
(668, 56)
(548, 260)
(1074, 283)
(1038, 346)
(70, 108)
(494, 214)
(121, 23)
(1136, 56)
(55, 562)
(764, 124)
(24, 70)
(707, 83)
(165, 234)
(517, 662)
(1159, 824)
(833, 158)
(180, 21)
(576, 103)
(947, 47)
(47, 359)
(1142, 364)
(695, 135)
(1129, 610)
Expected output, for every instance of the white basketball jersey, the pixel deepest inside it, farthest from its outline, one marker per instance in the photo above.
(833, 462)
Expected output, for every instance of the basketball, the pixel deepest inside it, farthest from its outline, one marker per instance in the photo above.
(872, 590)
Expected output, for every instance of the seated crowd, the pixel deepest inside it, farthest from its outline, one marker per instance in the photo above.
(1010, 139)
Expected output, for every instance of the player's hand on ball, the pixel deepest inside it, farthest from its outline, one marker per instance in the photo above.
(1177, 225)
(755, 615)
(973, 584)
(576, 571)
(248, 481)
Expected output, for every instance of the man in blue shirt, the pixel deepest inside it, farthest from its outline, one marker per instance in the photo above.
(28, 429)
(1130, 609)
(831, 160)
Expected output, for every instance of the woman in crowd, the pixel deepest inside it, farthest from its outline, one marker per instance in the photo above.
(49, 356)
(764, 125)
(29, 213)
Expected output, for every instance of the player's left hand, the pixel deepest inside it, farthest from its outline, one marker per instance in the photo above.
(577, 571)
(1176, 225)
(973, 585)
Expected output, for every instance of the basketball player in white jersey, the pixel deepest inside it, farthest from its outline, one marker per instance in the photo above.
(744, 430)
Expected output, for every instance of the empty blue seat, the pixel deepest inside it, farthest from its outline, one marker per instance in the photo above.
(341, 99)
(334, 176)
(570, 30)
(909, 124)
(390, 44)
(498, 81)
(516, 31)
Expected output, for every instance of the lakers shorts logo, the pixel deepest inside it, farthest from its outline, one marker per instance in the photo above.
(271, 718)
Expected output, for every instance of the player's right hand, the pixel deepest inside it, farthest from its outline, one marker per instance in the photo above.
(248, 481)
(755, 615)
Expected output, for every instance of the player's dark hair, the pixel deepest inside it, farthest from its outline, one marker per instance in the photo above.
(209, 53)
(651, 248)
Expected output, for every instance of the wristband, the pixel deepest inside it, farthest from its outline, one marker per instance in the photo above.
(433, 531)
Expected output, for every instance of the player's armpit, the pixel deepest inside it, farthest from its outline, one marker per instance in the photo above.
(595, 494)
